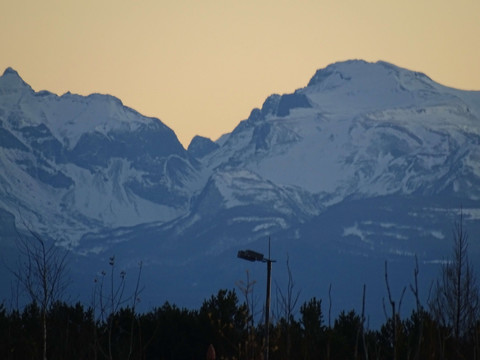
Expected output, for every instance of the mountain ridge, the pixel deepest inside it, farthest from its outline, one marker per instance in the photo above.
(356, 165)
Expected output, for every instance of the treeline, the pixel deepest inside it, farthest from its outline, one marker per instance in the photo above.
(447, 327)
(169, 332)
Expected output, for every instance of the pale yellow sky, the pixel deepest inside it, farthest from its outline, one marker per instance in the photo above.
(201, 66)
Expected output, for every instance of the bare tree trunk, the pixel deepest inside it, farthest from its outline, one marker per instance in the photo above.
(395, 313)
(365, 350)
(41, 271)
(330, 306)
(329, 320)
(134, 305)
(420, 312)
(44, 321)
(247, 290)
(288, 302)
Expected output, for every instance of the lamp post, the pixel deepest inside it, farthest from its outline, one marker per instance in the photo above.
(253, 256)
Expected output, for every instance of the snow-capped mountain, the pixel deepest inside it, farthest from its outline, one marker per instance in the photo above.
(369, 162)
(365, 130)
(73, 164)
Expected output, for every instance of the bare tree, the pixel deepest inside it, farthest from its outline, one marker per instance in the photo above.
(395, 312)
(419, 309)
(109, 298)
(456, 299)
(330, 306)
(42, 273)
(247, 287)
(286, 304)
(362, 326)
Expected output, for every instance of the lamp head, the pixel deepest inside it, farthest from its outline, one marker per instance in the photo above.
(250, 255)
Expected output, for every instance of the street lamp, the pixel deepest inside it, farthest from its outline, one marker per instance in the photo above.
(253, 256)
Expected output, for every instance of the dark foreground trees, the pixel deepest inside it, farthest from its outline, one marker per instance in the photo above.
(169, 332)
(449, 328)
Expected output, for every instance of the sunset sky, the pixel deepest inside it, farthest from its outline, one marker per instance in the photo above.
(201, 66)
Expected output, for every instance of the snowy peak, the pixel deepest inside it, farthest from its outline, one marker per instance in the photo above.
(73, 118)
(361, 128)
(352, 87)
(356, 86)
(370, 75)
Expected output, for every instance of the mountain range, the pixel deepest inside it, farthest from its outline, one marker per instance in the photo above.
(369, 163)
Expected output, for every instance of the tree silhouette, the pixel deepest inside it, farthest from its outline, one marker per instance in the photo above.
(41, 271)
(456, 301)
(313, 330)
